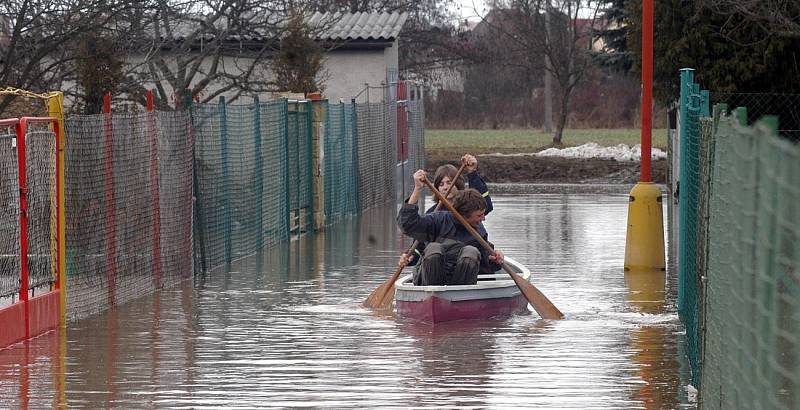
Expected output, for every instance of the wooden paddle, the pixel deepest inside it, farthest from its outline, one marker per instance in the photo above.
(381, 298)
(537, 299)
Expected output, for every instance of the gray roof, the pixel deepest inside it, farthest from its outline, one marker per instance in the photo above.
(358, 26)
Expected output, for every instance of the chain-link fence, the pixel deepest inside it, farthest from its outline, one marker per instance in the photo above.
(784, 106)
(153, 196)
(738, 224)
(376, 154)
(9, 213)
(128, 206)
(694, 104)
(34, 150)
(752, 342)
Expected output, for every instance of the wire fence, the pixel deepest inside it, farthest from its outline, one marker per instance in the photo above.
(154, 197)
(341, 187)
(35, 153)
(693, 105)
(9, 214)
(752, 344)
(784, 106)
(242, 157)
(128, 206)
(376, 154)
(738, 253)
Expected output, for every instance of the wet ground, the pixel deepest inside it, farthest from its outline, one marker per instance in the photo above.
(530, 169)
(285, 328)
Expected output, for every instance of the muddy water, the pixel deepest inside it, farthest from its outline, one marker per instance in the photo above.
(285, 328)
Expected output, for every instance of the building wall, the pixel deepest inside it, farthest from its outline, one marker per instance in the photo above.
(348, 71)
(345, 74)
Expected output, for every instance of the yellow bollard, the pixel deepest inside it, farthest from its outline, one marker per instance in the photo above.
(644, 243)
(55, 108)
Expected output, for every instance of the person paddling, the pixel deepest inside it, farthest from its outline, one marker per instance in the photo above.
(452, 256)
(446, 175)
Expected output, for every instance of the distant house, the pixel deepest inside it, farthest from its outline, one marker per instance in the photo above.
(360, 48)
(363, 49)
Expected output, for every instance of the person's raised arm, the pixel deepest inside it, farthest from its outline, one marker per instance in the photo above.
(476, 181)
(418, 177)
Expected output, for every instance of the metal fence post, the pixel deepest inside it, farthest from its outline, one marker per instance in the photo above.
(226, 181)
(259, 177)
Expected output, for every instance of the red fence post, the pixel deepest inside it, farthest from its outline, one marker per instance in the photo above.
(153, 135)
(109, 198)
(23, 224)
(647, 88)
(30, 317)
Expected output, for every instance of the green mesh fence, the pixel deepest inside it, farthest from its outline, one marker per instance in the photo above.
(341, 195)
(752, 343)
(300, 167)
(694, 103)
(244, 180)
(128, 207)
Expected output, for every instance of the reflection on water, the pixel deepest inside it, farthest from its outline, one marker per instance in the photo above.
(285, 328)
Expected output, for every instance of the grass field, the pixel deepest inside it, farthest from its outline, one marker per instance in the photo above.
(527, 140)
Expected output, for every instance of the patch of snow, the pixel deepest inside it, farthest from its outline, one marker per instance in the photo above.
(619, 152)
(691, 393)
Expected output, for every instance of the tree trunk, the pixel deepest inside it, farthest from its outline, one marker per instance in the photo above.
(548, 76)
(561, 120)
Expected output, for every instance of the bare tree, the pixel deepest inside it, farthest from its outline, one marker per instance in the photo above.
(202, 50)
(562, 50)
(773, 17)
(38, 39)
(298, 65)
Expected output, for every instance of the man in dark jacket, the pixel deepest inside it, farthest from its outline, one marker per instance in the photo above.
(453, 256)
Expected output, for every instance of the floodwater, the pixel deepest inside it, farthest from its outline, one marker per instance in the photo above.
(286, 329)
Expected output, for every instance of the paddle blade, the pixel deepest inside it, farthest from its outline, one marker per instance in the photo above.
(381, 298)
(543, 306)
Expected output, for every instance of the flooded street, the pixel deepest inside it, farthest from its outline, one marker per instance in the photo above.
(286, 328)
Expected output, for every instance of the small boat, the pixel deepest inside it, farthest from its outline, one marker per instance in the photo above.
(494, 295)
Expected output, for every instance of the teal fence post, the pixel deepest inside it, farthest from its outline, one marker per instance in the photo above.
(685, 249)
(285, 170)
(771, 122)
(298, 205)
(357, 194)
(310, 171)
(226, 181)
(197, 206)
(259, 176)
(740, 113)
(705, 108)
(687, 78)
(344, 177)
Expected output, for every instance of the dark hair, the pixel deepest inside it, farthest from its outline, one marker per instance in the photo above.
(469, 201)
(450, 171)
